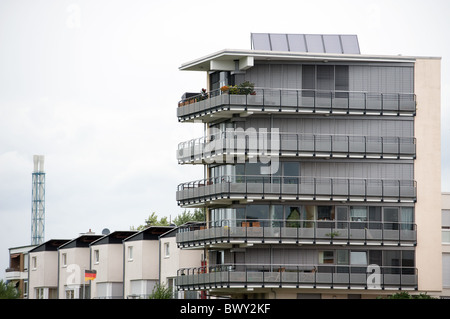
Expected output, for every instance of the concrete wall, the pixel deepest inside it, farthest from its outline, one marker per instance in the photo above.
(427, 171)
(109, 268)
(45, 274)
(72, 274)
(144, 265)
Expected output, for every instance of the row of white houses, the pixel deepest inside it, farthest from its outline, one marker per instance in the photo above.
(127, 264)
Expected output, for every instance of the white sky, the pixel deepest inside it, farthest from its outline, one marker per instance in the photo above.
(93, 85)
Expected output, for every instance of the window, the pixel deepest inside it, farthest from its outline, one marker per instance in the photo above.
(34, 263)
(96, 256)
(276, 215)
(290, 172)
(257, 213)
(358, 257)
(39, 292)
(390, 218)
(70, 294)
(325, 212)
(325, 78)
(25, 288)
(342, 257)
(166, 250)
(64, 260)
(446, 236)
(407, 218)
(326, 257)
(130, 253)
(358, 213)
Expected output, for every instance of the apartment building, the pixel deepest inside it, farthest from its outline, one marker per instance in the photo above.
(17, 272)
(141, 262)
(322, 171)
(107, 259)
(43, 270)
(74, 259)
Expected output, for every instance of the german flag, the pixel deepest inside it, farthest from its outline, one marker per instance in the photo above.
(90, 275)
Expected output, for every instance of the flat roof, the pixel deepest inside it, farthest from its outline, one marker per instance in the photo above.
(50, 245)
(149, 233)
(81, 241)
(115, 237)
(206, 63)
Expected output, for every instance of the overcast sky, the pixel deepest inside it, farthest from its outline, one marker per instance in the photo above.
(93, 86)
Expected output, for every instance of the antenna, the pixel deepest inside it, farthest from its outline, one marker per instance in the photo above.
(38, 201)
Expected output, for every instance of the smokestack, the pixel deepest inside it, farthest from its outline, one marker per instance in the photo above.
(38, 161)
(38, 201)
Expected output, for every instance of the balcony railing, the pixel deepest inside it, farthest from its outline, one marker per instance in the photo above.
(298, 101)
(297, 276)
(258, 187)
(196, 151)
(299, 231)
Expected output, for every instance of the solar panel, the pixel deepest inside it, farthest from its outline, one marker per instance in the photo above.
(312, 43)
(279, 42)
(261, 41)
(350, 44)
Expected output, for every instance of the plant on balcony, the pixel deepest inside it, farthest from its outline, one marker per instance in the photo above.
(245, 88)
(333, 234)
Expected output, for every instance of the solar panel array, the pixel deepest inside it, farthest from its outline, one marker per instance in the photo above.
(311, 43)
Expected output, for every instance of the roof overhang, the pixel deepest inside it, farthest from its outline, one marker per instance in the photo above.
(232, 60)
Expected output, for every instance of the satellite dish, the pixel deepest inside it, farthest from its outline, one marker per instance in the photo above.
(105, 231)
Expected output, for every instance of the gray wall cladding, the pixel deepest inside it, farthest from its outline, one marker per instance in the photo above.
(367, 78)
(344, 126)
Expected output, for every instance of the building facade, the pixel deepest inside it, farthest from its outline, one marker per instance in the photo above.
(172, 258)
(74, 259)
(17, 272)
(107, 259)
(141, 262)
(43, 270)
(322, 171)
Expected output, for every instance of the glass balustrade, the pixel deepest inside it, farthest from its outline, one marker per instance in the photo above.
(292, 100)
(297, 276)
(259, 187)
(202, 150)
(297, 231)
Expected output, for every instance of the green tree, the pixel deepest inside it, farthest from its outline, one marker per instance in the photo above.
(152, 220)
(8, 291)
(161, 292)
(197, 216)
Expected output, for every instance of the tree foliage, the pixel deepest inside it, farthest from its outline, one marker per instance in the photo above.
(161, 292)
(186, 216)
(8, 291)
(197, 216)
(152, 220)
(406, 295)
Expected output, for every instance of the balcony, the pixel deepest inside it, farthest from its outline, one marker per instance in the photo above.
(333, 232)
(14, 273)
(232, 143)
(223, 190)
(212, 105)
(297, 276)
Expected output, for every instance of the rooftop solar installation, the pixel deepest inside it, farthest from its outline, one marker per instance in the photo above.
(310, 43)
